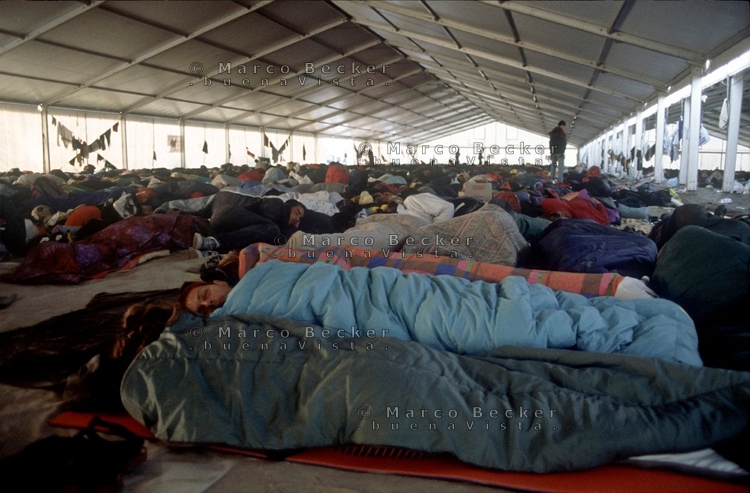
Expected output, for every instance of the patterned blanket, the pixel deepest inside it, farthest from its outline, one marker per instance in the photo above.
(589, 285)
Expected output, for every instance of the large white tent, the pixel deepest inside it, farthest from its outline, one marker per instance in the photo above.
(233, 73)
(183, 84)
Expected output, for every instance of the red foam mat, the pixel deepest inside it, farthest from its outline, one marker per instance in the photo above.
(605, 479)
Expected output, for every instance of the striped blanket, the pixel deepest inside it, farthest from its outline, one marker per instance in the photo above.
(589, 285)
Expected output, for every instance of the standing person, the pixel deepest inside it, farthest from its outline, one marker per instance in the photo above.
(558, 140)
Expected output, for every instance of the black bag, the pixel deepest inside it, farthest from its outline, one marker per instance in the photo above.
(86, 462)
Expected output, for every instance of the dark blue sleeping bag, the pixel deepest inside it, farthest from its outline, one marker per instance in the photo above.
(582, 245)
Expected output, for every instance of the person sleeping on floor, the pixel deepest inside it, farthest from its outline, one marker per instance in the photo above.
(169, 380)
(448, 313)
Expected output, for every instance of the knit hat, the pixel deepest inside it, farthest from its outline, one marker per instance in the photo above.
(365, 198)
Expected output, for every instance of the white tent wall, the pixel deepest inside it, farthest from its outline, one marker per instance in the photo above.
(197, 135)
(243, 140)
(514, 146)
(336, 149)
(141, 141)
(87, 127)
(303, 148)
(21, 138)
(149, 136)
(22, 144)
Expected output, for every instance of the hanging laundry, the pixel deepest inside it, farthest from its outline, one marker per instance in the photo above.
(724, 115)
(64, 134)
(650, 152)
(93, 147)
(676, 140)
(666, 143)
(276, 153)
(703, 136)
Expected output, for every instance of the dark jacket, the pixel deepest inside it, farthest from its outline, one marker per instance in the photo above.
(558, 140)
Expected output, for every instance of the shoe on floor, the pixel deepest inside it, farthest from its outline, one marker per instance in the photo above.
(193, 253)
(201, 242)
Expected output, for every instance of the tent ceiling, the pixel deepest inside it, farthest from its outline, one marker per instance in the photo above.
(438, 66)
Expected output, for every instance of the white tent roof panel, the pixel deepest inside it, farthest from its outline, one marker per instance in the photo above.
(139, 78)
(22, 17)
(676, 23)
(482, 15)
(597, 13)
(178, 16)
(551, 36)
(301, 15)
(168, 107)
(259, 100)
(35, 59)
(106, 33)
(318, 113)
(597, 61)
(181, 56)
(580, 74)
(221, 115)
(645, 62)
(93, 99)
(482, 43)
(32, 91)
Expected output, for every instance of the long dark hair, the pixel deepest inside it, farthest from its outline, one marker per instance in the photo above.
(142, 325)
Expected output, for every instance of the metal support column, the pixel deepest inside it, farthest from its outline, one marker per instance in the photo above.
(638, 154)
(733, 130)
(45, 141)
(695, 127)
(660, 124)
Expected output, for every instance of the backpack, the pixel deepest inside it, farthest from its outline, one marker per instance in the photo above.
(337, 173)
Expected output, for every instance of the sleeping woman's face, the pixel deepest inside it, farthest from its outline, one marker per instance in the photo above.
(203, 300)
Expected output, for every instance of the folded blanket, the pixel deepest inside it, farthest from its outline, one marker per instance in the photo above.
(586, 284)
